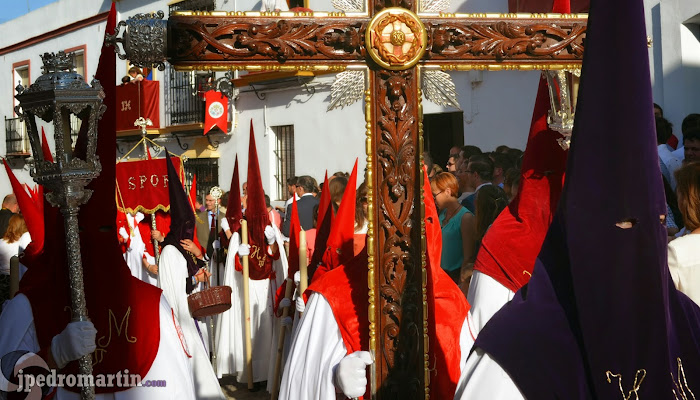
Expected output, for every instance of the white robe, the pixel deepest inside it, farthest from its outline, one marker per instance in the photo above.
(684, 265)
(172, 276)
(482, 377)
(18, 333)
(317, 348)
(136, 252)
(272, 5)
(230, 334)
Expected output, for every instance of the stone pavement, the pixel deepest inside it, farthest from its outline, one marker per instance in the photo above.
(239, 391)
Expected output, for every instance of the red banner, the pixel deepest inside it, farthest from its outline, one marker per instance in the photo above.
(143, 185)
(137, 99)
(216, 111)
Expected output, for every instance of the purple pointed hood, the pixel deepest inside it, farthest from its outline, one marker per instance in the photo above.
(601, 308)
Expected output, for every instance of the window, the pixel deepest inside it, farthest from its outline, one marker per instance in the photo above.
(20, 76)
(284, 153)
(78, 55)
(183, 103)
(207, 171)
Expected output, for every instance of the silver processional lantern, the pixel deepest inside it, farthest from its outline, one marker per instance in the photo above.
(60, 96)
(563, 88)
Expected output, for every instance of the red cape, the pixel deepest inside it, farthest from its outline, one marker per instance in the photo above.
(345, 289)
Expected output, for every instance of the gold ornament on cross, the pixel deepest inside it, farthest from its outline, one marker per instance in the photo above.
(396, 39)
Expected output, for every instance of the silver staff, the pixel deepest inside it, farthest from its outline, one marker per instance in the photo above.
(62, 96)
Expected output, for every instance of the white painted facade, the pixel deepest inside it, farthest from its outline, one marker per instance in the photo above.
(332, 140)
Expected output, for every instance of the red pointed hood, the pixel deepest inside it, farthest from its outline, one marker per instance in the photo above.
(294, 228)
(447, 306)
(234, 213)
(509, 249)
(339, 248)
(110, 290)
(45, 147)
(256, 215)
(323, 227)
(31, 210)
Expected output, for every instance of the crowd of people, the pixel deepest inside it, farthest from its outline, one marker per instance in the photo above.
(551, 272)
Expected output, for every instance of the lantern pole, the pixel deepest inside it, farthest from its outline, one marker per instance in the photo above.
(142, 123)
(55, 96)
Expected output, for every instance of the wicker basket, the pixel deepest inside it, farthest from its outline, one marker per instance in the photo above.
(210, 301)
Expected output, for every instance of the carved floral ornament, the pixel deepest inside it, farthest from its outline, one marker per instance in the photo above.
(396, 39)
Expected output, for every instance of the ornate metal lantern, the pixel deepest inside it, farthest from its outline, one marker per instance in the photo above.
(59, 96)
(563, 87)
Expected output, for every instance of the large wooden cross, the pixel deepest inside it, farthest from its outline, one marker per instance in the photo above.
(397, 47)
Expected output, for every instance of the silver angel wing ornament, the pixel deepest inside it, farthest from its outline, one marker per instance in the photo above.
(438, 87)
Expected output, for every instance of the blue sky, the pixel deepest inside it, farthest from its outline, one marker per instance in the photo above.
(12, 9)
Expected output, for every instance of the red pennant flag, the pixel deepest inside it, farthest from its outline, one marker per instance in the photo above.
(216, 111)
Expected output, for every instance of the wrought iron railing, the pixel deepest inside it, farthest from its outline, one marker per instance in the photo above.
(184, 103)
(16, 138)
(192, 5)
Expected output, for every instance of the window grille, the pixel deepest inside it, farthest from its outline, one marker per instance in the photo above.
(207, 171)
(183, 102)
(284, 154)
(16, 138)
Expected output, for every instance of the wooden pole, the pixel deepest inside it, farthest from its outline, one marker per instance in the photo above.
(246, 308)
(280, 342)
(303, 263)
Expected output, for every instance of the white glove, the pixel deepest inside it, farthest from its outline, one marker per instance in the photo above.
(270, 234)
(76, 340)
(297, 278)
(351, 375)
(123, 233)
(285, 303)
(243, 250)
(301, 306)
(216, 244)
(224, 225)
(287, 321)
(139, 217)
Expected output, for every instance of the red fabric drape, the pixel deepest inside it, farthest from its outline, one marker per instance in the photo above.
(138, 99)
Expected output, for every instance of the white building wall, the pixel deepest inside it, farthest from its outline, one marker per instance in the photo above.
(673, 57)
(497, 105)
(322, 140)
